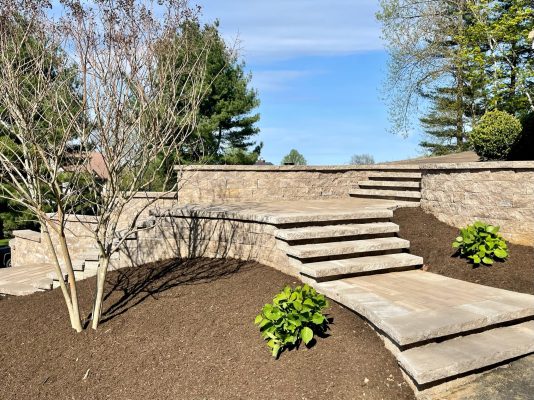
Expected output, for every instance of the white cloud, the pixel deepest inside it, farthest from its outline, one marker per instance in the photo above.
(278, 29)
(278, 80)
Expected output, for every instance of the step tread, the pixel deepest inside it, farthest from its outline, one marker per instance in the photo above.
(389, 193)
(403, 184)
(17, 289)
(411, 307)
(332, 231)
(392, 174)
(347, 247)
(438, 361)
(360, 265)
(300, 218)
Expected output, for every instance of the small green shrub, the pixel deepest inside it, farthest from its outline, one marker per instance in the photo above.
(481, 243)
(495, 135)
(295, 315)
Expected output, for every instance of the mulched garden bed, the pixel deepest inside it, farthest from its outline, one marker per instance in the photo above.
(184, 330)
(432, 239)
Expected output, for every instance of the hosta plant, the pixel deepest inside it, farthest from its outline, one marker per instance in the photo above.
(481, 243)
(295, 315)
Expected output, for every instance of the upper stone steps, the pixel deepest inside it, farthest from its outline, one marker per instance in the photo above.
(393, 194)
(408, 185)
(441, 361)
(331, 249)
(336, 231)
(360, 265)
(391, 175)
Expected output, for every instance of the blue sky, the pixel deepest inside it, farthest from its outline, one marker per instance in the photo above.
(318, 67)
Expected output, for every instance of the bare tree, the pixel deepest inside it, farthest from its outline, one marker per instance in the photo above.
(136, 94)
(362, 159)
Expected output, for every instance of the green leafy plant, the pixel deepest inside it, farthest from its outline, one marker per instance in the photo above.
(481, 243)
(295, 315)
(494, 136)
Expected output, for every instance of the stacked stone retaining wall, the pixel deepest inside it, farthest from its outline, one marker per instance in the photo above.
(500, 193)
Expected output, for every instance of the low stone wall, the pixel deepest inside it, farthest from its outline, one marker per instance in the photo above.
(191, 236)
(238, 183)
(500, 193)
(29, 247)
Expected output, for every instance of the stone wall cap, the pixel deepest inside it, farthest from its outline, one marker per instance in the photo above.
(481, 165)
(296, 168)
(28, 234)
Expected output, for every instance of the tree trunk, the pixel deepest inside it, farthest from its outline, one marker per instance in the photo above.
(72, 307)
(100, 283)
(72, 280)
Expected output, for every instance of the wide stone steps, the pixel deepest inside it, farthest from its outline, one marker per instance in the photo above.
(352, 247)
(439, 361)
(439, 328)
(390, 175)
(360, 265)
(23, 280)
(390, 194)
(406, 185)
(336, 231)
(417, 306)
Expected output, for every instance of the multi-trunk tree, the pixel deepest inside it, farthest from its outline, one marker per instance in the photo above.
(129, 106)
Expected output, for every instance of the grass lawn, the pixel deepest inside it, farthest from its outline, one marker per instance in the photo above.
(4, 242)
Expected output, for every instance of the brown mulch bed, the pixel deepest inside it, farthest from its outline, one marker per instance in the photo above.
(432, 239)
(184, 330)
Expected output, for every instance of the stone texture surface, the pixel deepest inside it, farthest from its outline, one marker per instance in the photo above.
(415, 306)
(401, 194)
(290, 212)
(499, 192)
(346, 247)
(335, 231)
(437, 361)
(390, 184)
(359, 265)
(499, 197)
(27, 279)
(395, 175)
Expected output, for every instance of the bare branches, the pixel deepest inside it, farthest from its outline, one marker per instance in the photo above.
(111, 78)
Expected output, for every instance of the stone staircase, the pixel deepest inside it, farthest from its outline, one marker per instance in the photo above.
(402, 186)
(325, 250)
(439, 328)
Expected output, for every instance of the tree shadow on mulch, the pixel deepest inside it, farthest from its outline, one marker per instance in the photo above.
(130, 287)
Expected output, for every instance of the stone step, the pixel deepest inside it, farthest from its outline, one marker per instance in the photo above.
(440, 361)
(349, 247)
(336, 231)
(397, 194)
(360, 265)
(414, 307)
(17, 289)
(390, 184)
(385, 175)
(43, 283)
(91, 266)
(52, 275)
(335, 216)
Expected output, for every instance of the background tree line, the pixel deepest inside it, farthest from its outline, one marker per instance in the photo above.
(452, 61)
